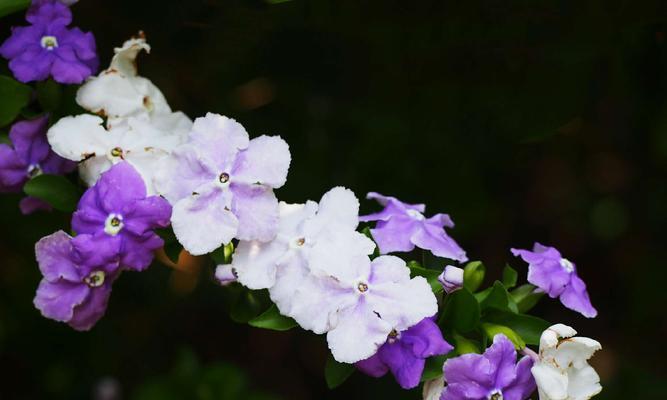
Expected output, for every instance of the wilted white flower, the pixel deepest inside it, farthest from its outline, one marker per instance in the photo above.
(433, 389)
(562, 371)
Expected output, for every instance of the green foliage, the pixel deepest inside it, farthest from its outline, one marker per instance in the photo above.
(473, 275)
(433, 366)
(491, 330)
(525, 297)
(510, 277)
(463, 345)
(248, 305)
(49, 95)
(461, 312)
(172, 247)
(10, 6)
(431, 275)
(13, 97)
(223, 255)
(272, 319)
(56, 190)
(497, 297)
(529, 327)
(336, 373)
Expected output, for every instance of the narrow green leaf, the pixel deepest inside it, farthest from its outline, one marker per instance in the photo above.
(13, 97)
(336, 373)
(530, 328)
(510, 277)
(10, 6)
(272, 319)
(223, 255)
(461, 311)
(248, 305)
(431, 275)
(491, 330)
(56, 190)
(497, 298)
(473, 275)
(526, 297)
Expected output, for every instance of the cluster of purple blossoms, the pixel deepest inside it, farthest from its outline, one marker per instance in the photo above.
(30, 155)
(47, 47)
(115, 222)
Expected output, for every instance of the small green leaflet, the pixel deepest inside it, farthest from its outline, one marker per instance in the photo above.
(336, 373)
(272, 319)
(56, 190)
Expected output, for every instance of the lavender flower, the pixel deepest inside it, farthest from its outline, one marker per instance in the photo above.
(221, 184)
(405, 353)
(401, 226)
(494, 375)
(29, 156)
(117, 219)
(48, 48)
(558, 277)
(71, 291)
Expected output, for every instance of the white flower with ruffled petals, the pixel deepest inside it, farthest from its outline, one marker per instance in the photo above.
(562, 372)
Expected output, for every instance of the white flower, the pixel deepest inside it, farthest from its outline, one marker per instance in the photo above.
(433, 389)
(140, 126)
(562, 372)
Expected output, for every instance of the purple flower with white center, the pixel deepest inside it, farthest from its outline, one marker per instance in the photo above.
(72, 291)
(451, 278)
(405, 353)
(557, 276)
(401, 226)
(48, 47)
(494, 375)
(29, 156)
(115, 220)
(221, 184)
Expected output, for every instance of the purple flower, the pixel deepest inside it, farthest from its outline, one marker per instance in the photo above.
(402, 226)
(494, 375)
(558, 277)
(71, 291)
(48, 48)
(117, 219)
(405, 353)
(29, 156)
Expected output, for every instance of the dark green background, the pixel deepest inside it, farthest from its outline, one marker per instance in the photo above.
(524, 120)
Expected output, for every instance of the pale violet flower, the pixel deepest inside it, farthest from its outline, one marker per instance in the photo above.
(221, 184)
(140, 127)
(562, 371)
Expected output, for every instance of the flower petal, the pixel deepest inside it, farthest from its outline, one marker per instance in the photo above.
(256, 208)
(358, 335)
(265, 161)
(77, 138)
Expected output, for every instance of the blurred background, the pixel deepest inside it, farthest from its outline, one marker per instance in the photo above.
(525, 121)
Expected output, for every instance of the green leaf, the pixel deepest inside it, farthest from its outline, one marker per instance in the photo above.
(510, 276)
(56, 190)
(10, 6)
(4, 138)
(172, 248)
(473, 275)
(491, 330)
(272, 319)
(498, 298)
(336, 373)
(223, 255)
(49, 94)
(463, 345)
(367, 231)
(248, 305)
(433, 367)
(526, 297)
(431, 275)
(530, 328)
(461, 311)
(13, 97)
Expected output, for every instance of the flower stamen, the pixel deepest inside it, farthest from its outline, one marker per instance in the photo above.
(49, 42)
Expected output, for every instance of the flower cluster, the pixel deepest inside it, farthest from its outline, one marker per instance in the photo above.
(148, 167)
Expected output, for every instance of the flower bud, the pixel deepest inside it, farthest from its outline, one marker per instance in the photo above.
(451, 278)
(225, 274)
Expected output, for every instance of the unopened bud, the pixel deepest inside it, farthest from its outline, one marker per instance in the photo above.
(451, 278)
(225, 274)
